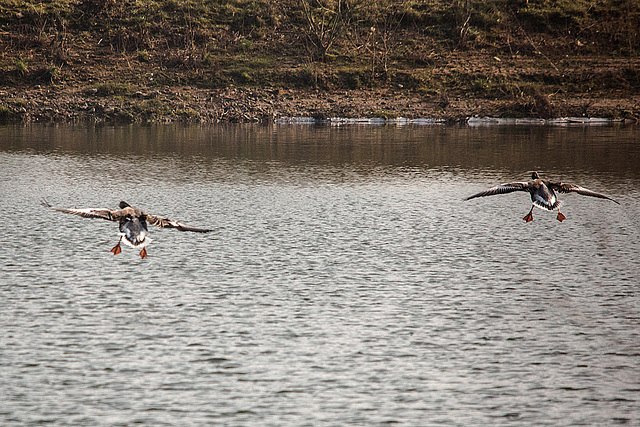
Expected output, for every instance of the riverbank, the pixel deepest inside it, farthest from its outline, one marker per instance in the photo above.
(258, 61)
(193, 105)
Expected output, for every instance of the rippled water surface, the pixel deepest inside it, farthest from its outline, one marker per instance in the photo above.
(346, 282)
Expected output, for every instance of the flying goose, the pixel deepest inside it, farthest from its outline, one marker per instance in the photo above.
(543, 193)
(133, 224)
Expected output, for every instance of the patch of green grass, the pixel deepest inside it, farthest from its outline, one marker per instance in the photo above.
(245, 44)
(20, 67)
(112, 89)
(150, 109)
(143, 55)
(355, 77)
(49, 74)
(241, 75)
(207, 60)
(187, 113)
(384, 114)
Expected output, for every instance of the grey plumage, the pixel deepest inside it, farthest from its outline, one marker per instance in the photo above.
(542, 193)
(132, 223)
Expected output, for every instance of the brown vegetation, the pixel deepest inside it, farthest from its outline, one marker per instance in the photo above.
(240, 60)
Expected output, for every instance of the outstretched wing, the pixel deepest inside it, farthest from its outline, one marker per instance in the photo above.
(86, 213)
(572, 188)
(169, 223)
(502, 189)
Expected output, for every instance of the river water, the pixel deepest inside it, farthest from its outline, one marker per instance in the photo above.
(346, 281)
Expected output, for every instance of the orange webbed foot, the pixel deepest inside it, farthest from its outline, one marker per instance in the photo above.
(143, 253)
(528, 217)
(116, 249)
(561, 217)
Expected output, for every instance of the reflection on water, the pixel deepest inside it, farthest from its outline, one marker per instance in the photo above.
(346, 281)
(611, 149)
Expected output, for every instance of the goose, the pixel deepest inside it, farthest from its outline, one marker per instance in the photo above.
(133, 224)
(543, 193)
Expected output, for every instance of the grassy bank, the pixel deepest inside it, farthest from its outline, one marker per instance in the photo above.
(132, 60)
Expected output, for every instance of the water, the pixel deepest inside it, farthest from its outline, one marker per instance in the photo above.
(346, 282)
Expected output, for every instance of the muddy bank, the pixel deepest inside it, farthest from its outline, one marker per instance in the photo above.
(230, 61)
(193, 105)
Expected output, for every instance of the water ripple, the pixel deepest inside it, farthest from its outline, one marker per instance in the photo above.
(346, 282)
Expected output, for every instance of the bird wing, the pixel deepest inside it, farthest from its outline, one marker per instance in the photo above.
(169, 223)
(107, 214)
(572, 188)
(502, 189)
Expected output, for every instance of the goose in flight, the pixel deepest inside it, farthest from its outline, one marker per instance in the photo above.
(133, 224)
(543, 193)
